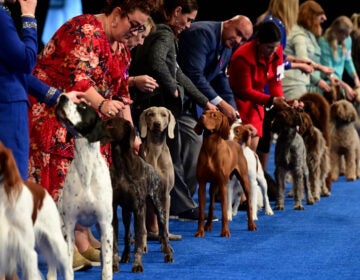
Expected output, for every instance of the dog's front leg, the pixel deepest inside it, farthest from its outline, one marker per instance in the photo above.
(139, 221)
(224, 220)
(106, 247)
(280, 174)
(208, 224)
(298, 185)
(202, 201)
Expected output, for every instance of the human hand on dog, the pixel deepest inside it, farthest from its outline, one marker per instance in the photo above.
(280, 103)
(210, 106)
(227, 110)
(76, 96)
(253, 130)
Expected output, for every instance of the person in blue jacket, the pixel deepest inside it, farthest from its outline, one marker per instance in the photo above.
(204, 53)
(17, 59)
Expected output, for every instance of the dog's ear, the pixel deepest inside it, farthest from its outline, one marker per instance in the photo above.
(171, 125)
(9, 170)
(247, 135)
(224, 128)
(97, 133)
(142, 124)
(198, 128)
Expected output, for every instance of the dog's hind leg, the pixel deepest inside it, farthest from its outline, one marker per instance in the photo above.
(244, 182)
(264, 189)
(164, 234)
(350, 170)
(280, 174)
(115, 226)
(309, 197)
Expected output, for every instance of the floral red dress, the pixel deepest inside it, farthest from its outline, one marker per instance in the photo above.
(77, 57)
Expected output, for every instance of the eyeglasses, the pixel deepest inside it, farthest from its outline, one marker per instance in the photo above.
(135, 27)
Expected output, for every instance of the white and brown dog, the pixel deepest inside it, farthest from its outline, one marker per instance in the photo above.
(87, 194)
(28, 217)
(258, 185)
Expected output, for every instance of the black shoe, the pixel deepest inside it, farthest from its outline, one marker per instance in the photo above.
(193, 215)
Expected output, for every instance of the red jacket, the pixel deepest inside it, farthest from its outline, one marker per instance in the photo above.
(248, 75)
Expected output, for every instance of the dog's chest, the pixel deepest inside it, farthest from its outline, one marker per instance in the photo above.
(87, 184)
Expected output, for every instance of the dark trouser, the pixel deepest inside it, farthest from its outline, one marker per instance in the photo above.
(184, 149)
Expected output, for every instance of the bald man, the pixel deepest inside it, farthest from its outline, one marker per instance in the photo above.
(204, 53)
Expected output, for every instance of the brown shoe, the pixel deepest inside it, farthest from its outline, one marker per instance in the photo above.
(79, 262)
(92, 255)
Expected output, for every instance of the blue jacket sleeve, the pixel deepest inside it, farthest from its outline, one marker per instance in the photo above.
(42, 91)
(18, 54)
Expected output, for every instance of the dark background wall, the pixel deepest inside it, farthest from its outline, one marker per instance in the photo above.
(224, 9)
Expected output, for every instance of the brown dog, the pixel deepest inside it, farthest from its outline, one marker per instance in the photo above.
(318, 109)
(134, 181)
(218, 159)
(317, 156)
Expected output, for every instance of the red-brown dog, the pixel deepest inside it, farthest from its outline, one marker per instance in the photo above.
(218, 159)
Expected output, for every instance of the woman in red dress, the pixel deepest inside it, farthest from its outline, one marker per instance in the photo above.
(252, 66)
(87, 54)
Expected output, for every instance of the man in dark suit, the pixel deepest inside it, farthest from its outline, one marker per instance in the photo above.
(204, 53)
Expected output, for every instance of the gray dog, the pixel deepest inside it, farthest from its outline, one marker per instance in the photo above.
(290, 156)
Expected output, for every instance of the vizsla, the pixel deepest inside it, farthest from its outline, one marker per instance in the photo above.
(219, 158)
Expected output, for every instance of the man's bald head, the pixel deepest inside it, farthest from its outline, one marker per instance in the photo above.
(236, 31)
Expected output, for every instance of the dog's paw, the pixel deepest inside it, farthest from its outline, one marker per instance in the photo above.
(279, 207)
(200, 232)
(299, 206)
(169, 258)
(137, 268)
(269, 212)
(252, 226)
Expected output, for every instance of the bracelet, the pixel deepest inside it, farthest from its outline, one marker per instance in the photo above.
(28, 15)
(101, 104)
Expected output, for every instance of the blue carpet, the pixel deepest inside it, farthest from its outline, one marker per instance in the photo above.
(322, 242)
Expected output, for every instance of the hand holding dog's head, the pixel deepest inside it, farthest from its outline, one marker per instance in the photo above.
(79, 119)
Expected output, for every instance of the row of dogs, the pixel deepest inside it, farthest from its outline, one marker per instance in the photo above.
(92, 192)
(91, 195)
(309, 142)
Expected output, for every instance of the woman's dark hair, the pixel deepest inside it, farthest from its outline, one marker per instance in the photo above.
(129, 6)
(267, 32)
(164, 9)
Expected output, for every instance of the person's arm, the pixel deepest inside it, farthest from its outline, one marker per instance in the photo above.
(349, 64)
(18, 54)
(157, 56)
(241, 77)
(193, 53)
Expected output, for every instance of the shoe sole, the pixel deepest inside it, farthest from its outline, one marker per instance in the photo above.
(82, 267)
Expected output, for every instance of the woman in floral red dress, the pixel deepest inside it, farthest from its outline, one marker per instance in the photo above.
(87, 54)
